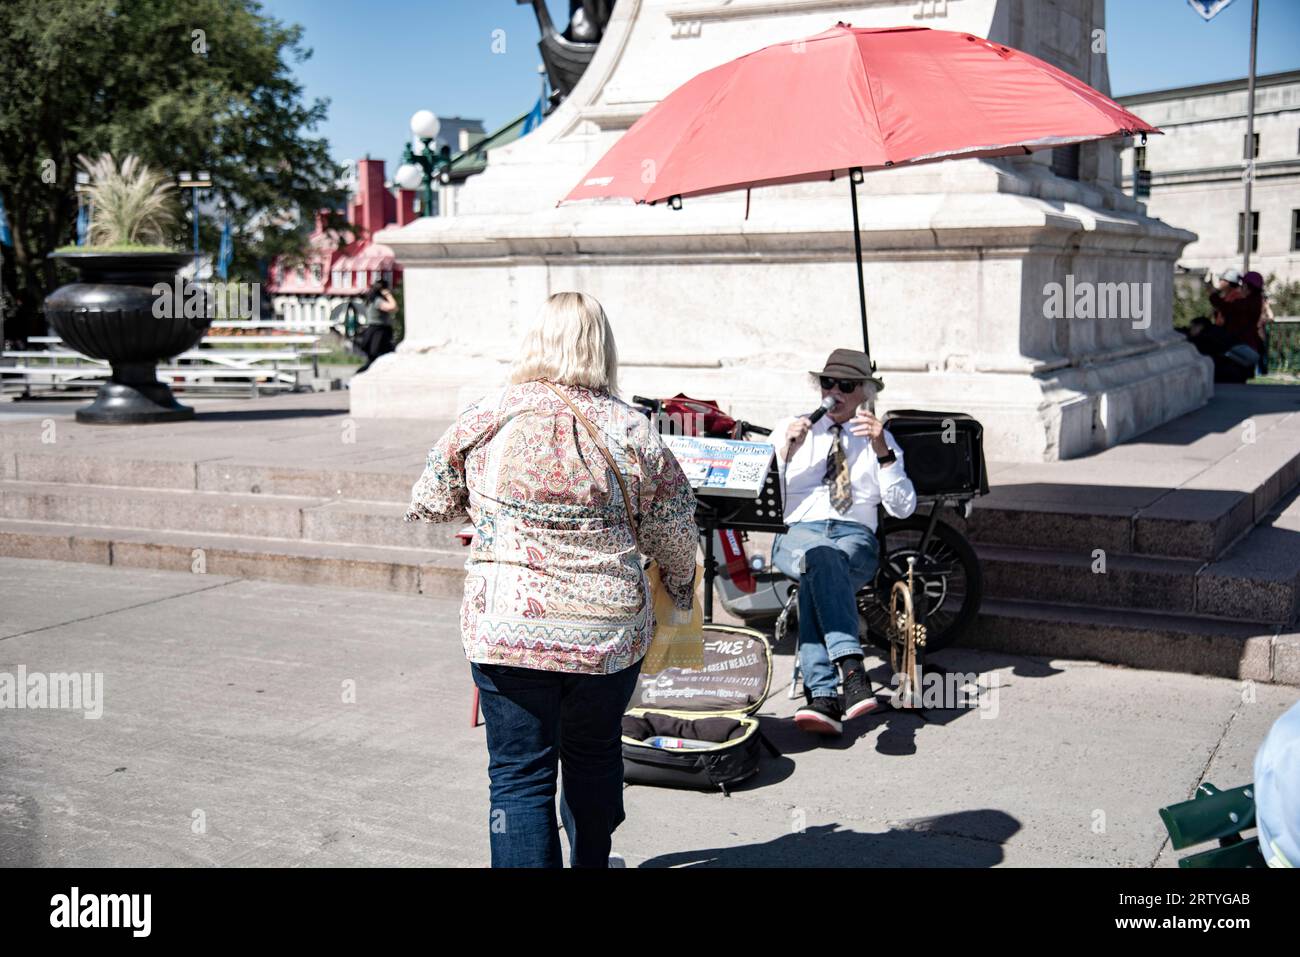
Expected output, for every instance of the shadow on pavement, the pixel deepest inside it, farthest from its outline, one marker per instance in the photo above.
(965, 839)
(898, 737)
(262, 415)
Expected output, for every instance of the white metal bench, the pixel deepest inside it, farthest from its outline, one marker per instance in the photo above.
(264, 364)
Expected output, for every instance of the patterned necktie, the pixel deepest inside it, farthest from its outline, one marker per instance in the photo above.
(837, 473)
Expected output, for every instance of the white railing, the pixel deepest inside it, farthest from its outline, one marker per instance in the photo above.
(264, 363)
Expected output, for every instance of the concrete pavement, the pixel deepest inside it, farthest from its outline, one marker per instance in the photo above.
(256, 723)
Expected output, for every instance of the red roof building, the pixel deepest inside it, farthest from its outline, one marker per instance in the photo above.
(304, 295)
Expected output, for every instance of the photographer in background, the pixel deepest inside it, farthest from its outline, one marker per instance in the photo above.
(375, 338)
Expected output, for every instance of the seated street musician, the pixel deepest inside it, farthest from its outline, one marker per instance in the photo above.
(837, 465)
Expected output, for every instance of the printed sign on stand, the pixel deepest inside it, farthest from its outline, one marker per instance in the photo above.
(722, 466)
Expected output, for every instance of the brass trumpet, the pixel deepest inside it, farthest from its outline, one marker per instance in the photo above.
(906, 637)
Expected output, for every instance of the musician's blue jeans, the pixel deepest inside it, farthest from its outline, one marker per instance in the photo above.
(541, 721)
(831, 560)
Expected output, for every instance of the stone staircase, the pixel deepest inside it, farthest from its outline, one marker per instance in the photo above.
(287, 524)
(1212, 592)
(1193, 564)
(1187, 579)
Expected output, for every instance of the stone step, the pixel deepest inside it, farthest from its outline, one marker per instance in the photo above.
(223, 513)
(1205, 515)
(321, 480)
(1138, 639)
(1195, 525)
(996, 519)
(1200, 519)
(411, 571)
(1257, 579)
(1128, 581)
(374, 523)
(361, 485)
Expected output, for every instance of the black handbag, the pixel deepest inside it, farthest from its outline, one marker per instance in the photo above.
(715, 704)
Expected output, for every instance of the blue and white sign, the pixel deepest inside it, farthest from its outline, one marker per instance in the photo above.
(1208, 8)
(722, 466)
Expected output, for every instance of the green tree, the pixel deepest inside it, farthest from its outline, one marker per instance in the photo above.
(1283, 296)
(203, 85)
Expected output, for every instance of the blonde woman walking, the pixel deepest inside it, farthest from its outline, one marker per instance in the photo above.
(556, 614)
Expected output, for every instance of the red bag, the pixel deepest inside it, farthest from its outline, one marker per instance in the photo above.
(698, 417)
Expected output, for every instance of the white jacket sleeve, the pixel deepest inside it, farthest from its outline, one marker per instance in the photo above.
(896, 490)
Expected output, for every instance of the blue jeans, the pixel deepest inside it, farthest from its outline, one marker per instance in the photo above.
(536, 720)
(831, 560)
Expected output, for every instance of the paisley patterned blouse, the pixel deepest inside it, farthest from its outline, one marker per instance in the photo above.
(554, 580)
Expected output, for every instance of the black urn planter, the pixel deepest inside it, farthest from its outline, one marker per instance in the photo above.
(110, 314)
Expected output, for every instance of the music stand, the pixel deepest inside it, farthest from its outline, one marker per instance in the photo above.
(762, 513)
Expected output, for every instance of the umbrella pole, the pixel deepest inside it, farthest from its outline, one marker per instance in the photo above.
(857, 250)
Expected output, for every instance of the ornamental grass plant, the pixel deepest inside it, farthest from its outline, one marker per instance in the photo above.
(133, 207)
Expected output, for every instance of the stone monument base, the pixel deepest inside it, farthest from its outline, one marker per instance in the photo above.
(962, 315)
(971, 266)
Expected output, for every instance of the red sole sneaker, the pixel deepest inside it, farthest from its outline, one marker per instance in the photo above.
(865, 706)
(817, 723)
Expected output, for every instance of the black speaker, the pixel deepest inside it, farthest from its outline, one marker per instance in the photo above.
(943, 452)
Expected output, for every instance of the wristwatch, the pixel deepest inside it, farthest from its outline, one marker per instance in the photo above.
(887, 457)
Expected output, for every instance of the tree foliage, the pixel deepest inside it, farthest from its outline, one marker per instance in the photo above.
(203, 85)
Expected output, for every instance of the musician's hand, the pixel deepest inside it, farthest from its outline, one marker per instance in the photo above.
(866, 425)
(794, 436)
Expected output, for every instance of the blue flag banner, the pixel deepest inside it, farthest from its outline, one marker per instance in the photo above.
(83, 223)
(534, 118)
(1208, 8)
(226, 252)
(6, 237)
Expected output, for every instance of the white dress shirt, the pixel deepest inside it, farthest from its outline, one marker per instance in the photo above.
(808, 495)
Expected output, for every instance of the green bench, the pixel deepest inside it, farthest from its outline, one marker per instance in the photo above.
(1215, 815)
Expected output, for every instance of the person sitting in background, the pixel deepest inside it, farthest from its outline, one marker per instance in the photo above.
(1214, 341)
(1240, 307)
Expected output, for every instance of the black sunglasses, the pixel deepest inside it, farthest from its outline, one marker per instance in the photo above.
(846, 385)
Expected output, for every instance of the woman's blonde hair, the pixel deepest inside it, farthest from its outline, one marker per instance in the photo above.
(569, 342)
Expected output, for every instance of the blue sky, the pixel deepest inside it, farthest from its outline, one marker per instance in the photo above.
(378, 61)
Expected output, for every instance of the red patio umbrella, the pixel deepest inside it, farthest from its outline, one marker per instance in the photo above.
(846, 101)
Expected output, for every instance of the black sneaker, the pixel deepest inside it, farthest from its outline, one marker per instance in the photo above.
(822, 716)
(859, 698)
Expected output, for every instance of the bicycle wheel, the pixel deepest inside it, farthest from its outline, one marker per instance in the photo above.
(948, 578)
